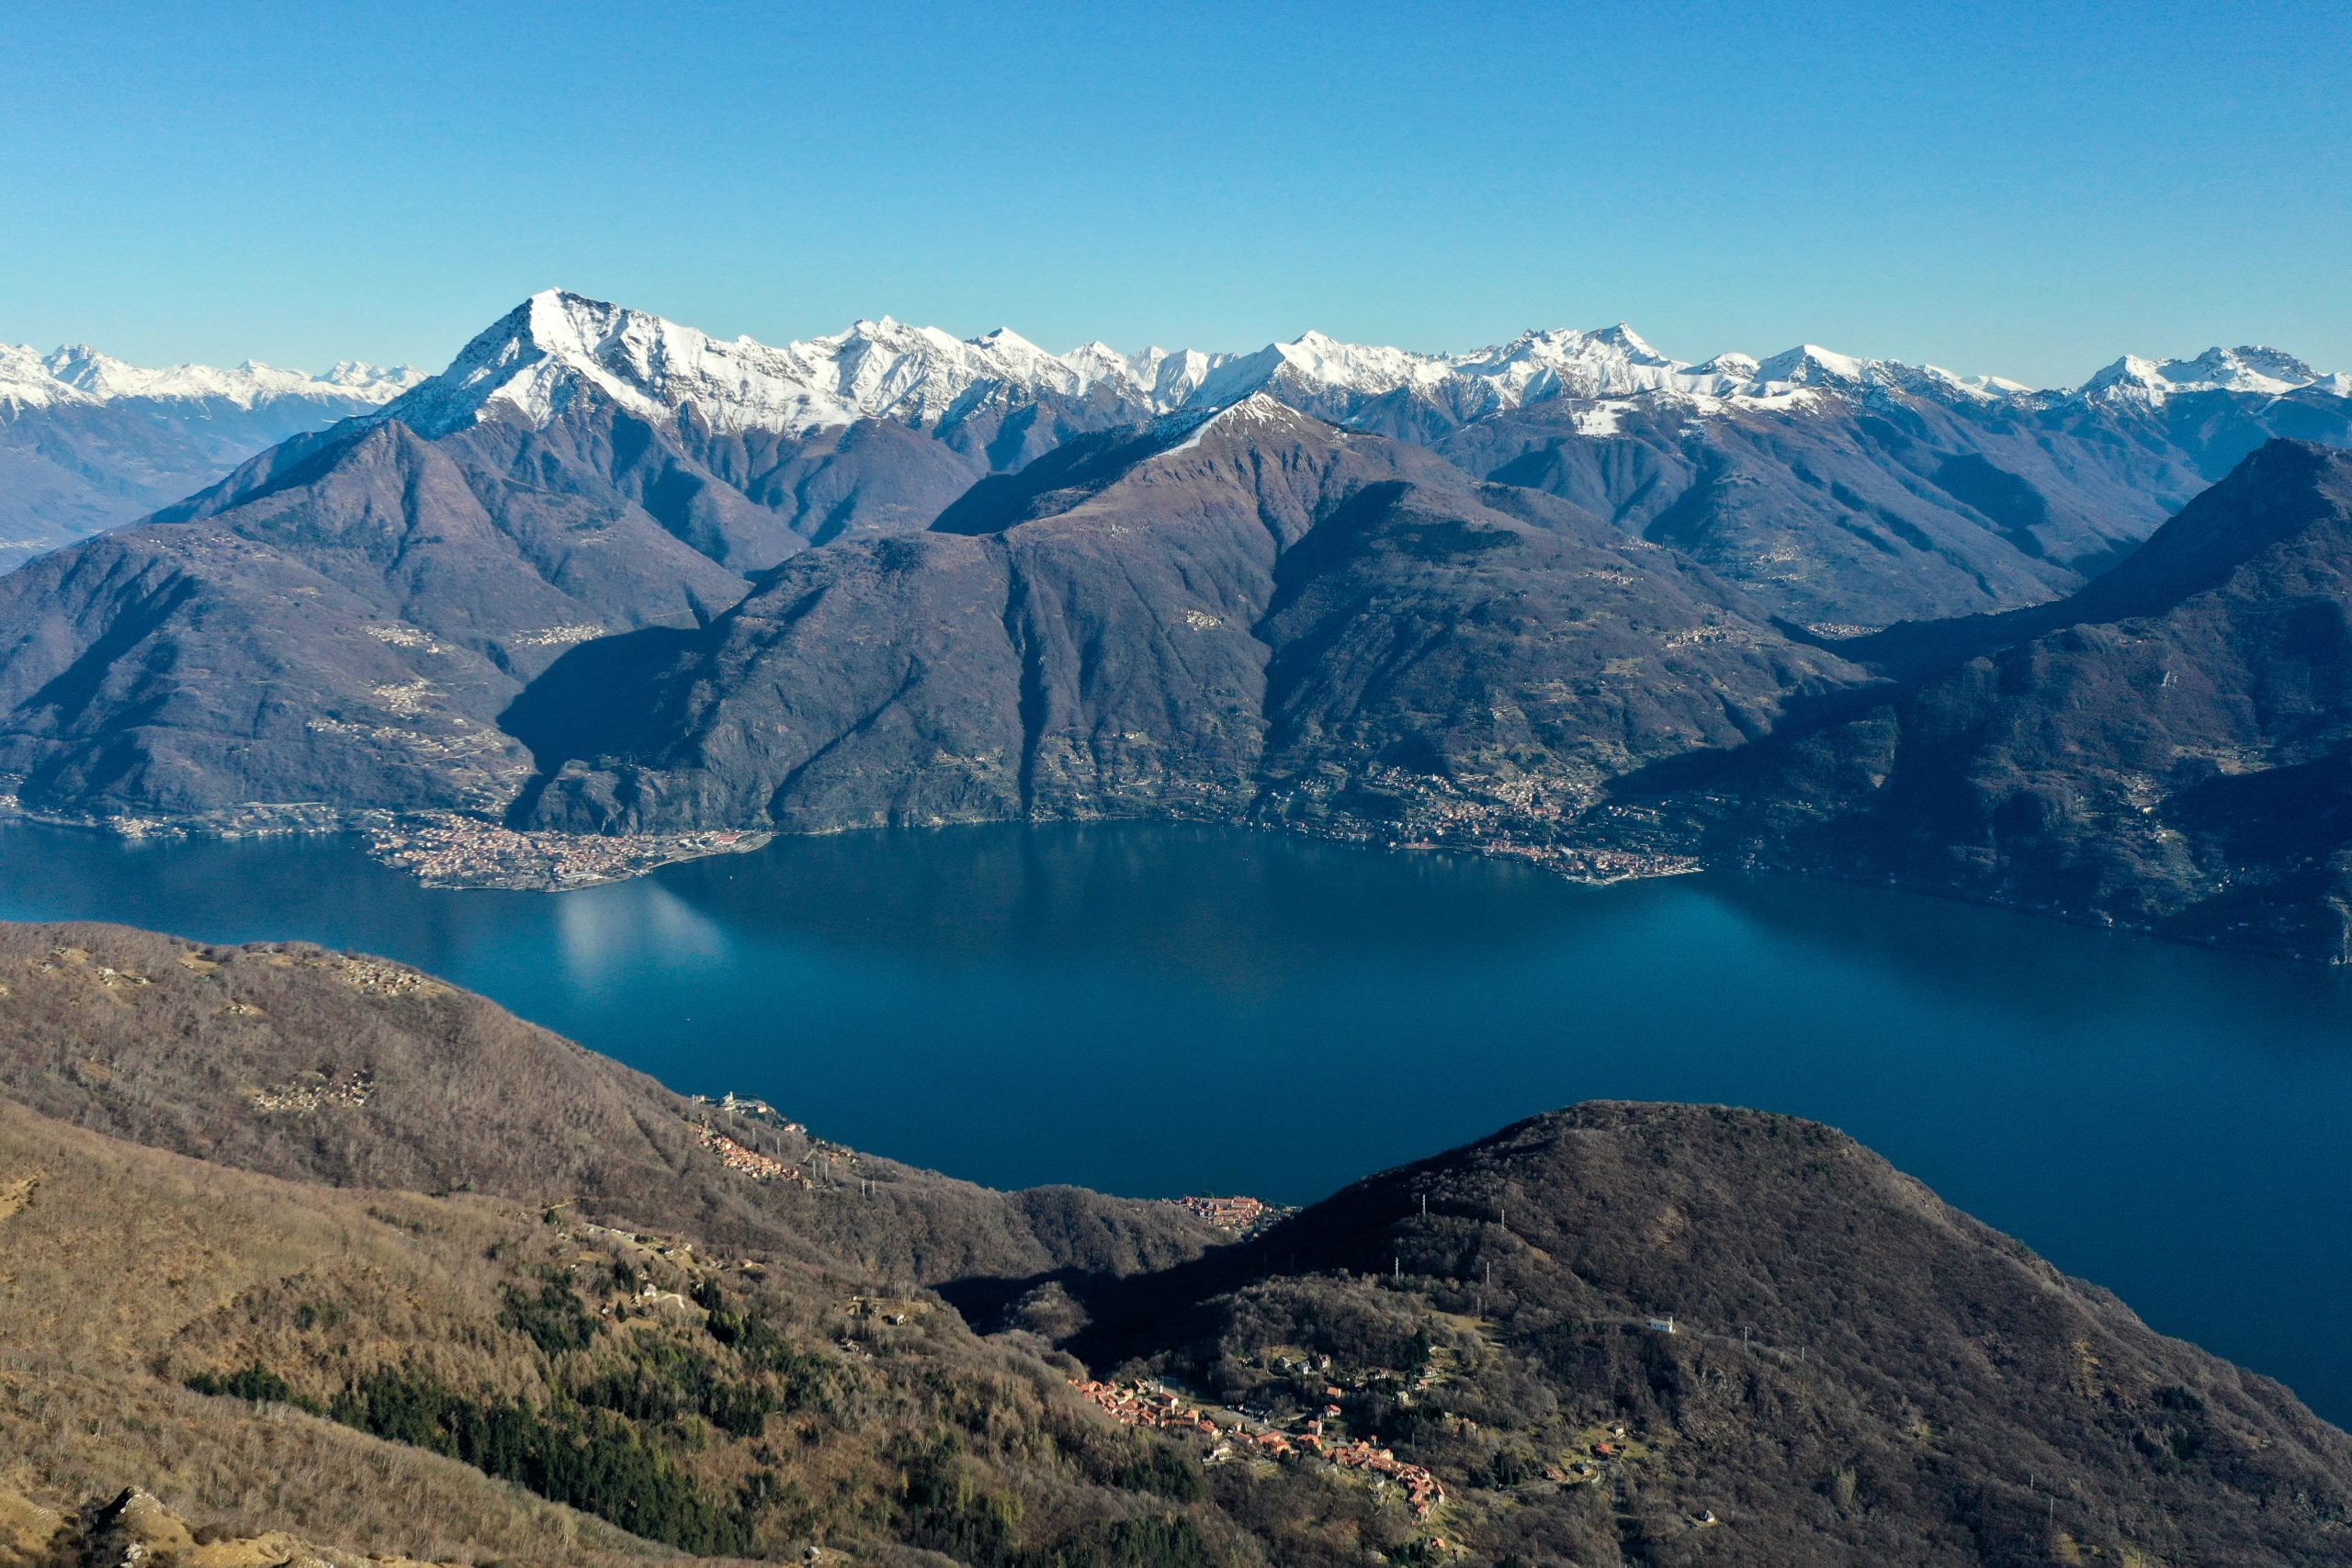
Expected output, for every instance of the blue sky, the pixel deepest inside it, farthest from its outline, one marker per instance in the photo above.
(2027, 190)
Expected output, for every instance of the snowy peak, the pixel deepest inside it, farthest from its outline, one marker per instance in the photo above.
(1257, 418)
(1313, 365)
(557, 347)
(1610, 363)
(76, 373)
(1810, 366)
(2250, 367)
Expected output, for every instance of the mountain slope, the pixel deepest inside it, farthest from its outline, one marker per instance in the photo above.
(2168, 748)
(1856, 1373)
(750, 451)
(464, 1378)
(1870, 500)
(1580, 565)
(1834, 488)
(117, 1257)
(339, 622)
(87, 442)
(1254, 611)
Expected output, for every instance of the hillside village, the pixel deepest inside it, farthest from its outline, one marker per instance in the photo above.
(1155, 1406)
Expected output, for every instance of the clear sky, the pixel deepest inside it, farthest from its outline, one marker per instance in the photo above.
(2023, 189)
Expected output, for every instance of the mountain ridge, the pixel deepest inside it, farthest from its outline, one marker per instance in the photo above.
(1184, 616)
(79, 373)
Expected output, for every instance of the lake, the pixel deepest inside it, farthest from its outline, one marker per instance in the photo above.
(1004, 1003)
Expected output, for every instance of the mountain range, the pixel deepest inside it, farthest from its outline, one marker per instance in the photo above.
(1833, 488)
(1837, 489)
(384, 1270)
(608, 576)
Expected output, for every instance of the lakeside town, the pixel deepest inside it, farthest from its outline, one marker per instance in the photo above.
(453, 850)
(445, 849)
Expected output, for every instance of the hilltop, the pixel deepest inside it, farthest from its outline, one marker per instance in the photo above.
(1632, 1320)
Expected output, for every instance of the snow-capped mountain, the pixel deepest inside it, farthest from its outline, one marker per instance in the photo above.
(77, 373)
(2248, 368)
(540, 356)
(763, 449)
(558, 345)
(1810, 366)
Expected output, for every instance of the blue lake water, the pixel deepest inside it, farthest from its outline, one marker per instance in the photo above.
(1154, 1010)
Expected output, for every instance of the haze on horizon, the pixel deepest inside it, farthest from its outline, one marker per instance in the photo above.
(2024, 192)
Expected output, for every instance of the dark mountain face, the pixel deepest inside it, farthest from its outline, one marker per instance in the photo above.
(750, 498)
(1255, 611)
(1856, 1373)
(2167, 747)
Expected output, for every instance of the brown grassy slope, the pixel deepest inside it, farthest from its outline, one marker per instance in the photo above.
(166, 1043)
(127, 1274)
(110, 1251)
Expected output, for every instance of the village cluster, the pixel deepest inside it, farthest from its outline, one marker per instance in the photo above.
(445, 849)
(749, 1162)
(1144, 1405)
(1225, 1214)
(314, 1091)
(1513, 818)
(756, 1110)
